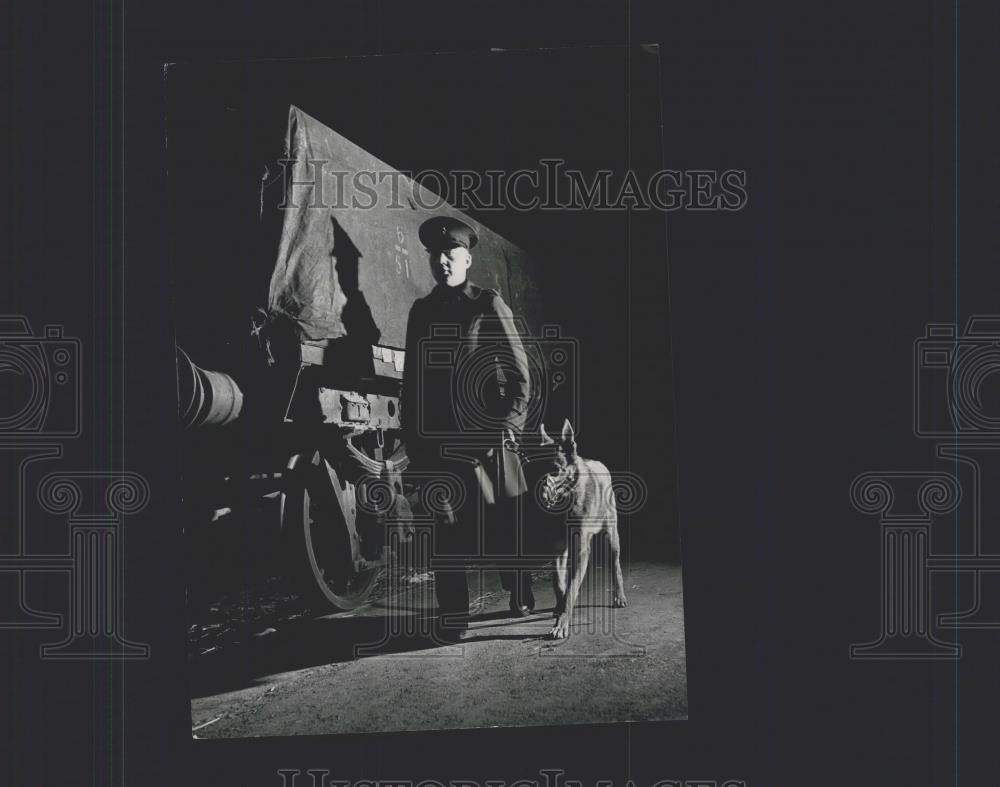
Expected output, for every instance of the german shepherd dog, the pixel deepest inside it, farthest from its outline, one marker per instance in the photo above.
(582, 489)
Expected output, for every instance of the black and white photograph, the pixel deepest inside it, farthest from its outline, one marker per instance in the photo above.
(409, 393)
(420, 393)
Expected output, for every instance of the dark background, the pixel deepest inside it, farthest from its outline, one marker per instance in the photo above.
(867, 132)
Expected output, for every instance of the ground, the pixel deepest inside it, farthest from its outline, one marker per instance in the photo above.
(347, 673)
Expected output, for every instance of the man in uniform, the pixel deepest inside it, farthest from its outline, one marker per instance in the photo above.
(480, 392)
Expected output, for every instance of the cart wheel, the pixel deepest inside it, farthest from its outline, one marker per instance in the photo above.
(316, 541)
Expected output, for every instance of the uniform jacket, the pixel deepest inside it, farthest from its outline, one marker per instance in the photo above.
(469, 377)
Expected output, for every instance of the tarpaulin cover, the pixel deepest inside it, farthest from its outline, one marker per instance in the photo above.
(350, 262)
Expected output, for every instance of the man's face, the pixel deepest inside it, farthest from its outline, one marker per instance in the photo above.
(449, 266)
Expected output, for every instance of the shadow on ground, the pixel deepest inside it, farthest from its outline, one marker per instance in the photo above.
(313, 642)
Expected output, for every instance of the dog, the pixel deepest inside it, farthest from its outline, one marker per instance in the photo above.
(582, 489)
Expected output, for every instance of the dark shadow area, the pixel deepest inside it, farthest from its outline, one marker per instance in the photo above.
(357, 315)
(314, 642)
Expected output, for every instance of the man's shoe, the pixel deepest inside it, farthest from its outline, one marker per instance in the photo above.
(520, 610)
(522, 604)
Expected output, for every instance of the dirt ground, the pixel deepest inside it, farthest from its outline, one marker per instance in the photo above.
(377, 668)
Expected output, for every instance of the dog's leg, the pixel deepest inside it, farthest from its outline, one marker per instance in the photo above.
(579, 554)
(559, 579)
(619, 599)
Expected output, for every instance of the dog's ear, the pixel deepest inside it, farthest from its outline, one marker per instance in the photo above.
(546, 440)
(568, 438)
